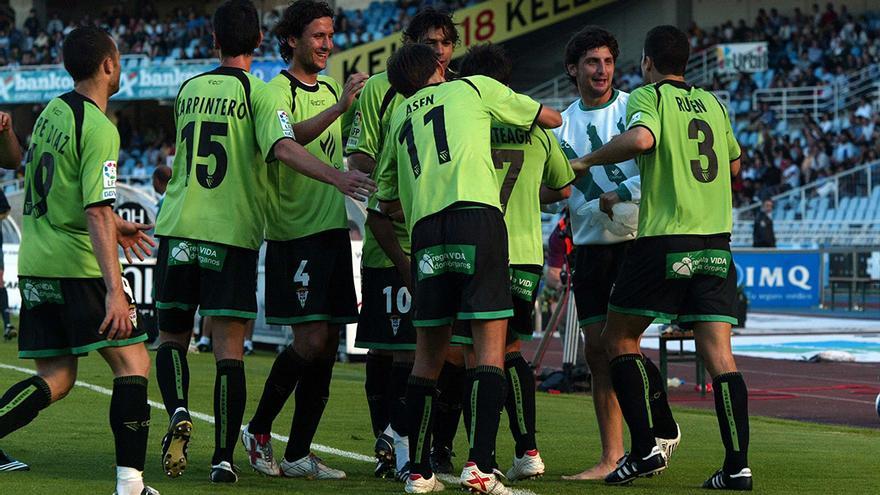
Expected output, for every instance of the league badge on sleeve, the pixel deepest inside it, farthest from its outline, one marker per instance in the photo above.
(284, 120)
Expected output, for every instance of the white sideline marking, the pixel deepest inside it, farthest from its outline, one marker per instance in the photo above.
(210, 419)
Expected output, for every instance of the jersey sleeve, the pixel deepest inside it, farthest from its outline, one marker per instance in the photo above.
(365, 124)
(272, 120)
(557, 169)
(100, 151)
(733, 149)
(641, 110)
(631, 189)
(386, 173)
(504, 104)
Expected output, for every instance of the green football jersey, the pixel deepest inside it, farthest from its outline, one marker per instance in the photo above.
(372, 114)
(299, 205)
(523, 161)
(228, 122)
(71, 165)
(686, 176)
(438, 151)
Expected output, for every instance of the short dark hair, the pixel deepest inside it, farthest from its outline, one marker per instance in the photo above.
(586, 39)
(430, 18)
(237, 27)
(410, 68)
(668, 47)
(294, 20)
(85, 48)
(489, 60)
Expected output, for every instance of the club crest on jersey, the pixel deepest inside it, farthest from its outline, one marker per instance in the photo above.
(395, 323)
(303, 295)
(635, 118)
(284, 120)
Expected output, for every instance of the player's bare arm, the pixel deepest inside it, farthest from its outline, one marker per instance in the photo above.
(362, 161)
(352, 183)
(623, 147)
(735, 167)
(10, 151)
(383, 230)
(549, 196)
(133, 239)
(103, 232)
(308, 130)
(549, 118)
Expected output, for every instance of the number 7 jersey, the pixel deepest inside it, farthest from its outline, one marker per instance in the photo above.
(228, 122)
(686, 176)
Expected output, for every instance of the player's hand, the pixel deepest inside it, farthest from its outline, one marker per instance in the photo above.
(5, 122)
(353, 87)
(132, 238)
(580, 165)
(607, 202)
(356, 184)
(117, 324)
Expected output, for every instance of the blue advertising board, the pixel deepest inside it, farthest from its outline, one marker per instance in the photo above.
(140, 80)
(779, 279)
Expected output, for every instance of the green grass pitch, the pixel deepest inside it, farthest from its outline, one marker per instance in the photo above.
(70, 446)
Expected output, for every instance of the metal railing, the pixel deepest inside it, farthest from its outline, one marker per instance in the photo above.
(815, 101)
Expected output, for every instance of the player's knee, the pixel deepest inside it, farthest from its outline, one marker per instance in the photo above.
(60, 384)
(596, 352)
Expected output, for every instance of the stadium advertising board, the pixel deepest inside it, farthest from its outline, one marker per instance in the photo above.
(146, 82)
(742, 57)
(493, 20)
(779, 279)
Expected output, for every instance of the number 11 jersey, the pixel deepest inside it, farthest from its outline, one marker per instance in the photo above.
(686, 176)
(228, 122)
(437, 151)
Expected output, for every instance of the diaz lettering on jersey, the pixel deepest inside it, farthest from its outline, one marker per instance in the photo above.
(421, 102)
(510, 135)
(224, 107)
(47, 133)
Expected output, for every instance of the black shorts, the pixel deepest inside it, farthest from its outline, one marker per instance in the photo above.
(61, 317)
(686, 277)
(385, 321)
(459, 267)
(216, 279)
(596, 267)
(524, 281)
(311, 279)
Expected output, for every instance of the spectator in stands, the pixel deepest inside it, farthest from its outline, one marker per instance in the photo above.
(762, 233)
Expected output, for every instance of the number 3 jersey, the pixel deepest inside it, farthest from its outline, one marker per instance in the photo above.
(437, 152)
(686, 176)
(228, 122)
(71, 165)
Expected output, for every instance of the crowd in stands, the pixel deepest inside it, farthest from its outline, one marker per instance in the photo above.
(186, 32)
(817, 49)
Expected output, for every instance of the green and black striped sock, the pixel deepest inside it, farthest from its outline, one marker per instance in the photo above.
(486, 402)
(22, 402)
(172, 376)
(130, 420)
(732, 409)
(520, 403)
(230, 393)
(630, 380)
(421, 396)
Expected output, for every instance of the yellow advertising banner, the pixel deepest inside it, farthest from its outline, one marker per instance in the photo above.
(491, 21)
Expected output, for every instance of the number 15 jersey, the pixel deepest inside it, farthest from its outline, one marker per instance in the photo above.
(228, 122)
(437, 151)
(686, 176)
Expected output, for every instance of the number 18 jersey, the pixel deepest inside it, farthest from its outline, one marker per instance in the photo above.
(228, 122)
(686, 177)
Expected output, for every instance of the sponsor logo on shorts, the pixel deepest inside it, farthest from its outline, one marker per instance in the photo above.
(523, 284)
(303, 295)
(183, 253)
(211, 256)
(715, 262)
(444, 258)
(36, 292)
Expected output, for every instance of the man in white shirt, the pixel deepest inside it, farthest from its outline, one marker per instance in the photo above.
(588, 123)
